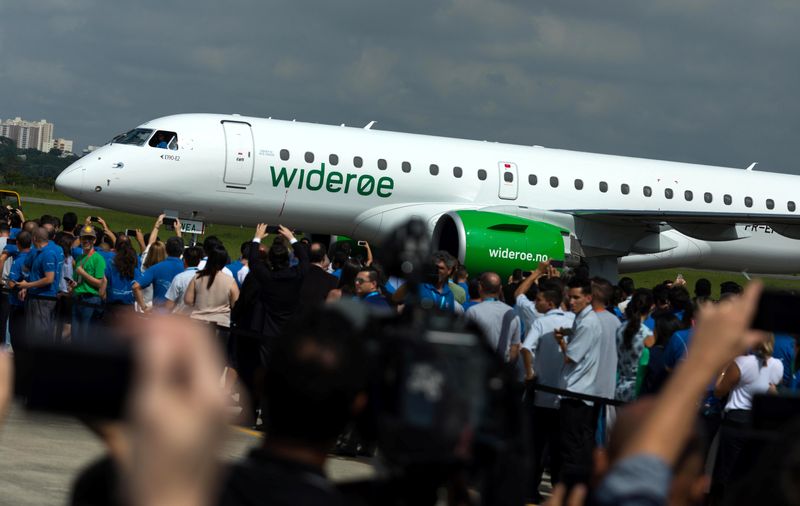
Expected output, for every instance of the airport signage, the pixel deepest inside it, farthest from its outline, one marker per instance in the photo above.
(192, 227)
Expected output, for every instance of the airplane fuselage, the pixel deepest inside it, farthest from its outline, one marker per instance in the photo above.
(359, 182)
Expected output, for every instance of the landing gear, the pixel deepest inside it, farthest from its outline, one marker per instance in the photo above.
(604, 267)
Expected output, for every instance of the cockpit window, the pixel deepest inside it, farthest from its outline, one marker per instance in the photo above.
(164, 140)
(137, 137)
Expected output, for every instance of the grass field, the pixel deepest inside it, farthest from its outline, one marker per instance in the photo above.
(651, 278)
(42, 192)
(233, 237)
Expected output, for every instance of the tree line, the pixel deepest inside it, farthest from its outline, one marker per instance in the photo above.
(30, 166)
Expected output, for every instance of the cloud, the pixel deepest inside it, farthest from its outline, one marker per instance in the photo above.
(693, 80)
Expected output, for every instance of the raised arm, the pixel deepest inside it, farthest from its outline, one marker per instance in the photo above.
(369, 254)
(154, 234)
(300, 251)
(528, 282)
(257, 268)
(106, 230)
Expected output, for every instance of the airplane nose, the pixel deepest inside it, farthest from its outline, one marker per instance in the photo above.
(70, 181)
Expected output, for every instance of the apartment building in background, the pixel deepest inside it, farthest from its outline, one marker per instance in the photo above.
(29, 134)
(63, 145)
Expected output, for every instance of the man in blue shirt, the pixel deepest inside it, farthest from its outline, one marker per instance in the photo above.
(677, 348)
(438, 294)
(367, 289)
(785, 352)
(40, 291)
(16, 318)
(237, 265)
(161, 274)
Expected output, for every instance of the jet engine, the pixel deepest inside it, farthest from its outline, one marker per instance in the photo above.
(487, 241)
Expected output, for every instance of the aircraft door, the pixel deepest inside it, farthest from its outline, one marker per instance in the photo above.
(239, 157)
(508, 180)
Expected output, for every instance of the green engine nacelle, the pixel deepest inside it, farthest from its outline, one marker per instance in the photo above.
(485, 241)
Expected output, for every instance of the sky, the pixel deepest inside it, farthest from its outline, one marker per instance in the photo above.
(701, 81)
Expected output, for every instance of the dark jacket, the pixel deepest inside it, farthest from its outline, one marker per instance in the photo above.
(269, 298)
(316, 286)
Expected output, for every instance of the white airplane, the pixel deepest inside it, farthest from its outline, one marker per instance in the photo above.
(496, 206)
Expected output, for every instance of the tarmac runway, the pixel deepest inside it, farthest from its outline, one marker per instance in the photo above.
(52, 202)
(42, 453)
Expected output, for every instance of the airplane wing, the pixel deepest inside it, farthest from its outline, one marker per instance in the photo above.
(625, 217)
(708, 226)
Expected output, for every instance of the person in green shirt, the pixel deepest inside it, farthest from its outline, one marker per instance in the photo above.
(89, 276)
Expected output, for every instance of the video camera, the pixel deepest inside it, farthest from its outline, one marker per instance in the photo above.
(443, 408)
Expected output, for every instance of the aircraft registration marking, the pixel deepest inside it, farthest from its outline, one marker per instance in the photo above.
(174, 158)
(763, 228)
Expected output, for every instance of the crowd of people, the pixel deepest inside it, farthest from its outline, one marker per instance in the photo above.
(625, 387)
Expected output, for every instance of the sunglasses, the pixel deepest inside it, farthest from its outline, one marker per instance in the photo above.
(362, 280)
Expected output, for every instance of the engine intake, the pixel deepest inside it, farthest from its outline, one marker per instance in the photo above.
(486, 241)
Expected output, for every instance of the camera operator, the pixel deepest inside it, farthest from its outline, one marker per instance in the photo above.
(436, 292)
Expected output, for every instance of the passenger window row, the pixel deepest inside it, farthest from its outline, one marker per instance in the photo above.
(358, 163)
(647, 191)
(533, 180)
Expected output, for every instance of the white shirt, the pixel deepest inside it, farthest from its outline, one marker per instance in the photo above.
(526, 310)
(242, 274)
(177, 289)
(547, 356)
(753, 380)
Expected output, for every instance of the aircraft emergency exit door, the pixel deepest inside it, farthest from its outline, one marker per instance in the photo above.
(239, 157)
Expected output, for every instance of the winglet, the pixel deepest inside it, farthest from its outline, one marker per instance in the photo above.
(751, 167)
(369, 125)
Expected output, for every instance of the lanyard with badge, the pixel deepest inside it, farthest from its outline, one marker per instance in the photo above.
(439, 299)
(82, 263)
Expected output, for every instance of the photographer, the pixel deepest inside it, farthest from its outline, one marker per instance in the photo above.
(436, 292)
(279, 282)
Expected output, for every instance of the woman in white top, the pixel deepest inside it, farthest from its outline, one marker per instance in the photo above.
(745, 377)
